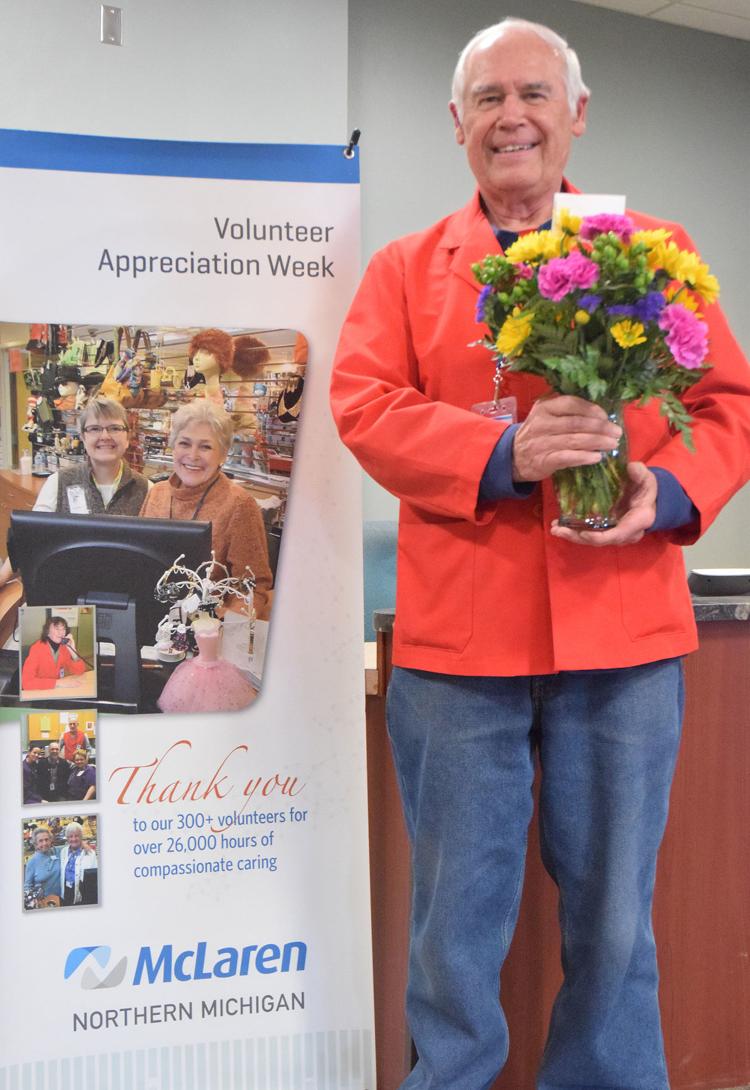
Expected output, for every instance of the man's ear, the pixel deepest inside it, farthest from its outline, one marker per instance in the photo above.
(460, 138)
(579, 121)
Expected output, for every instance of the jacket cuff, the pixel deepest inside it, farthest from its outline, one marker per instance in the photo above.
(674, 508)
(497, 480)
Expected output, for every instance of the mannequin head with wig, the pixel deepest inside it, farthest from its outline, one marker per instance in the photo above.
(211, 352)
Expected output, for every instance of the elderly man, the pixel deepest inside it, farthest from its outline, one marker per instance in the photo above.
(513, 633)
(71, 739)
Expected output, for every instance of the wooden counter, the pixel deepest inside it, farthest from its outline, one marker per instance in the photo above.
(18, 492)
(702, 904)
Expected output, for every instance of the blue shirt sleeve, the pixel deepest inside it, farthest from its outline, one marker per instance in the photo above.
(497, 480)
(674, 508)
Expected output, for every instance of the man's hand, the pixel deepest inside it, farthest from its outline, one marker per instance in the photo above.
(639, 512)
(560, 432)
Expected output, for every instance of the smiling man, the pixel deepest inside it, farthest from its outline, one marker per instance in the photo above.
(513, 634)
(516, 114)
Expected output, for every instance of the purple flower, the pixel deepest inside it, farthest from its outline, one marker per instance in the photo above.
(483, 296)
(644, 310)
(687, 335)
(562, 275)
(589, 303)
(650, 306)
(622, 226)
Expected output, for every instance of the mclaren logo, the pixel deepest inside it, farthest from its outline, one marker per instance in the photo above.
(168, 964)
(85, 960)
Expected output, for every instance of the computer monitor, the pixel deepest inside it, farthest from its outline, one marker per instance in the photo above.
(111, 561)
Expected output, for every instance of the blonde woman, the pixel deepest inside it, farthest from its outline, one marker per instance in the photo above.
(197, 490)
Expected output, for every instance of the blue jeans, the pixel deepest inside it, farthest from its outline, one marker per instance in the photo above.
(464, 753)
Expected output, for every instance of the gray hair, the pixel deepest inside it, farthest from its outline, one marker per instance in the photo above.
(574, 84)
(72, 827)
(40, 829)
(99, 408)
(203, 411)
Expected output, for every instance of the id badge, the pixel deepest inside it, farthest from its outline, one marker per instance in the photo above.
(503, 409)
(77, 500)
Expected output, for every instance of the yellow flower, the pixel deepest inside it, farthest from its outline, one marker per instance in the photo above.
(627, 333)
(534, 246)
(686, 266)
(564, 243)
(704, 283)
(682, 295)
(513, 334)
(566, 222)
(667, 256)
(582, 317)
(650, 238)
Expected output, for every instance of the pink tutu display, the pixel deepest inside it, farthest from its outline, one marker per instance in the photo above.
(206, 683)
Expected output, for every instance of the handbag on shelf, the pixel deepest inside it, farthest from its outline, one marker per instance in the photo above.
(290, 403)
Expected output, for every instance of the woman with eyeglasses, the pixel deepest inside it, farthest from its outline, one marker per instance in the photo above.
(105, 483)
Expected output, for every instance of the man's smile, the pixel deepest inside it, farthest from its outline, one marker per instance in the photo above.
(513, 147)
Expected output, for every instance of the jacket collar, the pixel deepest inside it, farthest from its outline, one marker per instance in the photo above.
(470, 236)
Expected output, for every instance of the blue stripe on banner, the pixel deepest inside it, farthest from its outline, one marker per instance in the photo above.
(177, 158)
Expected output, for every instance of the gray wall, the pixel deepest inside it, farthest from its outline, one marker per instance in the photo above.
(188, 69)
(667, 126)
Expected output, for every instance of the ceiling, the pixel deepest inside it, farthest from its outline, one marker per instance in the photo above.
(728, 17)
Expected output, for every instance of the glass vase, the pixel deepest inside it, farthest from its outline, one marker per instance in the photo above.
(591, 497)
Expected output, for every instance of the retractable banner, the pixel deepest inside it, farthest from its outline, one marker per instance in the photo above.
(185, 898)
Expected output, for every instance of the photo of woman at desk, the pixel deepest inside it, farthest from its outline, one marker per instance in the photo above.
(52, 666)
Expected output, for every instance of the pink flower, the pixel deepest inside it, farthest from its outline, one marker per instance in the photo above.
(622, 226)
(687, 335)
(524, 271)
(562, 275)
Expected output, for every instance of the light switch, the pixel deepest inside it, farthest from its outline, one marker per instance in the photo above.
(111, 33)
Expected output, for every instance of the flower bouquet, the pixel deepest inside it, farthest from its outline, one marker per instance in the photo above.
(606, 312)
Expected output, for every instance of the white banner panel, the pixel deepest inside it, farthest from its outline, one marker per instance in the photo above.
(230, 945)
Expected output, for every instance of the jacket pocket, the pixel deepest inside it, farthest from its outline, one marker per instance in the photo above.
(435, 580)
(653, 590)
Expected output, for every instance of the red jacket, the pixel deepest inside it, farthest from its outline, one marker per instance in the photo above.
(40, 671)
(488, 590)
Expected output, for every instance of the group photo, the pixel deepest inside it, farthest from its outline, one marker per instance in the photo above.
(193, 430)
(60, 862)
(59, 756)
